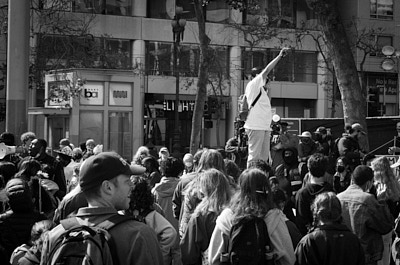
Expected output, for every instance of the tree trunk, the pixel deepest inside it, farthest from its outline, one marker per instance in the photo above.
(203, 77)
(354, 102)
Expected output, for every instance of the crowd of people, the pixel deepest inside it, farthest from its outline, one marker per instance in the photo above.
(183, 210)
(268, 197)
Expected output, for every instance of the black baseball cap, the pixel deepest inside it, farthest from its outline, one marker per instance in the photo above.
(105, 166)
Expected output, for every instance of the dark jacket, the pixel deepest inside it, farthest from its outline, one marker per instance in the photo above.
(15, 230)
(331, 244)
(197, 237)
(304, 198)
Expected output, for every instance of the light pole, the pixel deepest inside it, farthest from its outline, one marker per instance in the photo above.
(388, 64)
(178, 27)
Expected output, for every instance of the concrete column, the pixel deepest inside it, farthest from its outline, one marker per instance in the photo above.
(17, 66)
(138, 62)
(235, 58)
(139, 8)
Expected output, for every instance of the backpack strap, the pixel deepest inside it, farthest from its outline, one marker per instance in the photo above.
(108, 225)
(255, 100)
(113, 221)
(70, 223)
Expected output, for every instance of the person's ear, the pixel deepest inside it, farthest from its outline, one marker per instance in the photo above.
(107, 187)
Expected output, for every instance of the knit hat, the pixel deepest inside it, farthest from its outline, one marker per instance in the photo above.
(105, 166)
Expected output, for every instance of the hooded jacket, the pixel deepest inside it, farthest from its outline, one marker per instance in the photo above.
(304, 198)
(166, 234)
(277, 231)
(163, 192)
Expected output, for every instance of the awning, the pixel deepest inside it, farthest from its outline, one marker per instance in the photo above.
(48, 111)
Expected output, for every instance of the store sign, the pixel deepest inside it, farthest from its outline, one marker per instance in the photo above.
(92, 94)
(188, 105)
(120, 94)
(387, 84)
(185, 105)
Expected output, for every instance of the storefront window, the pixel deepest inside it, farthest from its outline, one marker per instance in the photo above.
(382, 94)
(120, 133)
(381, 9)
(91, 126)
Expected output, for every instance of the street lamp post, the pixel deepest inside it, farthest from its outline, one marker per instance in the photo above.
(178, 27)
(388, 64)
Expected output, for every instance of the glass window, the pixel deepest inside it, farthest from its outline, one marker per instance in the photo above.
(189, 60)
(84, 52)
(276, 13)
(115, 53)
(217, 11)
(120, 133)
(298, 66)
(108, 7)
(219, 66)
(91, 126)
(253, 58)
(381, 41)
(382, 9)
(305, 69)
(159, 58)
(161, 9)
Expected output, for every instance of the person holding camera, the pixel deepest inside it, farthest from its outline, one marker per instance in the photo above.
(258, 122)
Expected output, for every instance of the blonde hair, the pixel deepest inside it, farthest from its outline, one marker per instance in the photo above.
(215, 188)
(387, 186)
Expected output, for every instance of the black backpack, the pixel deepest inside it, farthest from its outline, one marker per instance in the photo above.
(249, 244)
(81, 244)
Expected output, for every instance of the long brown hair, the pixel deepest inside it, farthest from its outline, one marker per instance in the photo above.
(215, 188)
(254, 196)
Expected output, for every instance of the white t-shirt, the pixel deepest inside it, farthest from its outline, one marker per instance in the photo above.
(259, 117)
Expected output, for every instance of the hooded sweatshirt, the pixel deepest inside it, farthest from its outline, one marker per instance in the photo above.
(163, 192)
(166, 234)
(304, 198)
(277, 231)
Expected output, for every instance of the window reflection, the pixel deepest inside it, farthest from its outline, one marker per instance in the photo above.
(159, 60)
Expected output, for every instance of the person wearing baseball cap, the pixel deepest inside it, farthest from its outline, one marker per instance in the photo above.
(105, 182)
